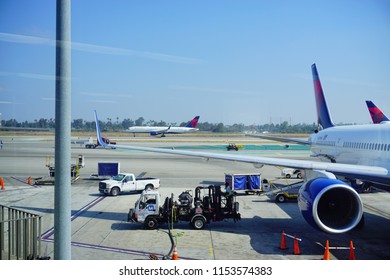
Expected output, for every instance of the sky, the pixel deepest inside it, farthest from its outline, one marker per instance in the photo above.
(228, 61)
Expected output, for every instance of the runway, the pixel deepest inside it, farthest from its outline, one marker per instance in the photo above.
(99, 224)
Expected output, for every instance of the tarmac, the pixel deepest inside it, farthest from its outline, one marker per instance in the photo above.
(100, 230)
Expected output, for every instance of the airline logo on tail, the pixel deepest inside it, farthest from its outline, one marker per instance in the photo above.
(193, 123)
(323, 116)
(377, 115)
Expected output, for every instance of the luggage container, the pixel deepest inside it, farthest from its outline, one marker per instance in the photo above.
(248, 183)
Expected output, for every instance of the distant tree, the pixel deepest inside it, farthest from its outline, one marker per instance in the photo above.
(108, 126)
(139, 121)
(11, 122)
(126, 123)
(78, 124)
(162, 123)
(220, 128)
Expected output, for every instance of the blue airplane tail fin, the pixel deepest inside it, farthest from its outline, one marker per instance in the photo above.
(98, 133)
(377, 115)
(323, 116)
(193, 123)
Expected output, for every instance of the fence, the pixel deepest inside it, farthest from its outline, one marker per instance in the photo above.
(20, 233)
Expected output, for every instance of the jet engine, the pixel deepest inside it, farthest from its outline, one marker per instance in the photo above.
(330, 205)
(153, 133)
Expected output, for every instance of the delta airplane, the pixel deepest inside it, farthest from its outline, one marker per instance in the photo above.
(156, 130)
(376, 114)
(326, 203)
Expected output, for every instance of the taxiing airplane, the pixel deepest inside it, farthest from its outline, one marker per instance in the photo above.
(156, 130)
(377, 115)
(327, 203)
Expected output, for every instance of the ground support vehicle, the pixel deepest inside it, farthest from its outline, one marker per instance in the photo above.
(74, 172)
(127, 182)
(284, 196)
(232, 146)
(290, 173)
(209, 204)
(91, 145)
(282, 193)
(249, 183)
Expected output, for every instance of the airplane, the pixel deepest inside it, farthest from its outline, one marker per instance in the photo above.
(326, 203)
(156, 130)
(377, 115)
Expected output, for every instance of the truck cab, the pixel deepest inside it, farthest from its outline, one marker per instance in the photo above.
(146, 209)
(127, 182)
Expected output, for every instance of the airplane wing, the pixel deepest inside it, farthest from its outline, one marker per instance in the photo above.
(325, 203)
(354, 171)
(280, 139)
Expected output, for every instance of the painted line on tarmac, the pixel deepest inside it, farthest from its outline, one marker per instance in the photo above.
(22, 181)
(46, 236)
(376, 210)
(86, 207)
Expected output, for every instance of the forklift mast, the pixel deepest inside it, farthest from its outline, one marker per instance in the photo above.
(214, 201)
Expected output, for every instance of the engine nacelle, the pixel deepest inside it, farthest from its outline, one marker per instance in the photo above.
(153, 133)
(330, 205)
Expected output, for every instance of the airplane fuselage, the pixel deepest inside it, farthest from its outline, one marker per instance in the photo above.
(358, 144)
(159, 129)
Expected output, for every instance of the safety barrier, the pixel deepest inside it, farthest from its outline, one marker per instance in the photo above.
(20, 233)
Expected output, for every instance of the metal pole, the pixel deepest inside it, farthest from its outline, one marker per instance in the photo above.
(62, 193)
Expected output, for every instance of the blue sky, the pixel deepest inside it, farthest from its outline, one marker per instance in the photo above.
(227, 61)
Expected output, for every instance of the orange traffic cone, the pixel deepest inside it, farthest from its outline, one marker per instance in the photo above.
(351, 251)
(175, 256)
(326, 254)
(297, 251)
(29, 180)
(283, 245)
(2, 183)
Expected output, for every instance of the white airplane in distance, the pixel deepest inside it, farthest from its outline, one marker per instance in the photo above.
(156, 130)
(356, 151)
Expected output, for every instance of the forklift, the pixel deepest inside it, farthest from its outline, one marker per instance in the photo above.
(209, 204)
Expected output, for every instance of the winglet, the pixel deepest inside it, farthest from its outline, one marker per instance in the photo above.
(98, 134)
(193, 123)
(323, 116)
(377, 115)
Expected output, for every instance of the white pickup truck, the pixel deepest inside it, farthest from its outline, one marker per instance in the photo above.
(127, 182)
